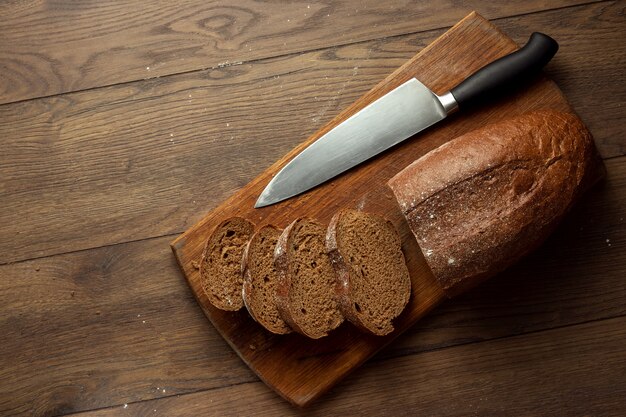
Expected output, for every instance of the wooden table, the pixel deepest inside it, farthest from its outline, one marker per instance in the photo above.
(123, 123)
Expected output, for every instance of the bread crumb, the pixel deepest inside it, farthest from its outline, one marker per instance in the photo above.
(450, 261)
(252, 347)
(125, 405)
(37, 268)
(429, 252)
(195, 264)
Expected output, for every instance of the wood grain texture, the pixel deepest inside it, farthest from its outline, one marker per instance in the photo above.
(554, 372)
(98, 167)
(301, 370)
(112, 324)
(48, 48)
(60, 356)
(139, 160)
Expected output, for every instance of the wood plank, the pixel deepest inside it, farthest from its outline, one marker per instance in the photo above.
(50, 48)
(576, 370)
(588, 82)
(135, 161)
(111, 324)
(59, 356)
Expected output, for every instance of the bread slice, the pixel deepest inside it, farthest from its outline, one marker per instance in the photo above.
(305, 294)
(260, 279)
(374, 282)
(480, 202)
(220, 266)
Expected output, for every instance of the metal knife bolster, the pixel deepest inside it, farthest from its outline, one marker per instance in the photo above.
(448, 102)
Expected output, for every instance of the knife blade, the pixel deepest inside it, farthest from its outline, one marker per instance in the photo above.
(400, 114)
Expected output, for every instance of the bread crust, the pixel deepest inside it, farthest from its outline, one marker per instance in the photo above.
(247, 288)
(343, 289)
(480, 202)
(282, 260)
(247, 278)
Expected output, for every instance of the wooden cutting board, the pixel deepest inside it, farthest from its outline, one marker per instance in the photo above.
(300, 369)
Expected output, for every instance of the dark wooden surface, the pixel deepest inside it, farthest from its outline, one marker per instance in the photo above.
(101, 168)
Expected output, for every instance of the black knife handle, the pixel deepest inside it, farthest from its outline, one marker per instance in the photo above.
(506, 73)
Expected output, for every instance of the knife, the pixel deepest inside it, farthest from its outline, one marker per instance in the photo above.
(400, 114)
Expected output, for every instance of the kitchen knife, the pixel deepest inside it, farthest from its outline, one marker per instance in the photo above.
(398, 115)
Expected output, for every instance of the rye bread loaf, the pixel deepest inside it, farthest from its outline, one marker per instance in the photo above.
(260, 279)
(482, 201)
(305, 295)
(220, 266)
(373, 280)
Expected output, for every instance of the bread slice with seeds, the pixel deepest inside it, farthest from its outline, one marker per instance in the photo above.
(260, 279)
(220, 267)
(374, 282)
(305, 294)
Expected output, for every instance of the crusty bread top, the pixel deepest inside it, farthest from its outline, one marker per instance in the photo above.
(483, 200)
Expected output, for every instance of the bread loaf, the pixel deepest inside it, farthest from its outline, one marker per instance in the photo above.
(374, 284)
(480, 202)
(305, 294)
